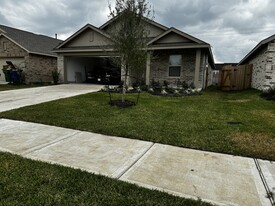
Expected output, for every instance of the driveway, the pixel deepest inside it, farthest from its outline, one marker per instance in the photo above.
(14, 99)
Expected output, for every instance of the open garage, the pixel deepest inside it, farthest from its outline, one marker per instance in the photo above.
(81, 69)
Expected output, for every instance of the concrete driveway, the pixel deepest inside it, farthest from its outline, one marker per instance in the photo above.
(14, 99)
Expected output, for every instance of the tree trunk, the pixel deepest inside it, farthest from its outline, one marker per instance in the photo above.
(124, 85)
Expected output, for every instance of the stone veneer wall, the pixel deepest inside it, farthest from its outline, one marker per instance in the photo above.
(270, 67)
(39, 68)
(258, 72)
(264, 67)
(160, 64)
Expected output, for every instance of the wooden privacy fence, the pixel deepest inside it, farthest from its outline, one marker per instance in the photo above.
(236, 77)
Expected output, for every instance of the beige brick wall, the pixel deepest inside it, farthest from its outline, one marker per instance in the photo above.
(264, 67)
(258, 73)
(160, 65)
(10, 49)
(39, 68)
(61, 68)
(270, 67)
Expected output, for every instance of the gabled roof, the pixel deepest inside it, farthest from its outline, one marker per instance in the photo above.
(30, 42)
(80, 31)
(174, 30)
(146, 19)
(257, 47)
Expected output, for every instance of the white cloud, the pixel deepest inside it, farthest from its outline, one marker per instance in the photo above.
(232, 27)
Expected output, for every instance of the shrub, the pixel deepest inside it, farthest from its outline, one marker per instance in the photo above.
(56, 76)
(182, 84)
(140, 84)
(268, 93)
(157, 87)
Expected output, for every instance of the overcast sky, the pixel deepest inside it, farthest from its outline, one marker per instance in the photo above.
(232, 27)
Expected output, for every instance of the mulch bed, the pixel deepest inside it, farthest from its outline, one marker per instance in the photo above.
(121, 104)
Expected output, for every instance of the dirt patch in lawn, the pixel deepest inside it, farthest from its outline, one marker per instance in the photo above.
(264, 113)
(239, 100)
(257, 145)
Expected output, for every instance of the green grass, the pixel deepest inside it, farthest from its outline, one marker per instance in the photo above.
(199, 122)
(27, 182)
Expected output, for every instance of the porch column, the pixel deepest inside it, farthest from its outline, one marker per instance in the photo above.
(148, 66)
(61, 68)
(197, 69)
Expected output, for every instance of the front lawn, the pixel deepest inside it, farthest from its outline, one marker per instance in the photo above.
(27, 182)
(238, 123)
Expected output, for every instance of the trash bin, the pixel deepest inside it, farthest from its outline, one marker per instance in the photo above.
(15, 77)
(7, 74)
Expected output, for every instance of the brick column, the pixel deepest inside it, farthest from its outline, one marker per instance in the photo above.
(61, 68)
(197, 69)
(148, 67)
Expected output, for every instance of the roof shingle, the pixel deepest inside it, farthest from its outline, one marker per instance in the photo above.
(33, 43)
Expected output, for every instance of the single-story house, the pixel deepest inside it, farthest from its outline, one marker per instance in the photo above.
(172, 55)
(263, 59)
(28, 51)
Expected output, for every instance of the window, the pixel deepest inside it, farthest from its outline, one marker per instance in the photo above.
(91, 36)
(5, 46)
(175, 62)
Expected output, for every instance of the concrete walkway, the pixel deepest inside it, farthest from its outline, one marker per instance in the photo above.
(13, 99)
(217, 178)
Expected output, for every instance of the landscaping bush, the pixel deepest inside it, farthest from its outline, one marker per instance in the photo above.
(181, 89)
(156, 88)
(268, 93)
(55, 76)
(140, 85)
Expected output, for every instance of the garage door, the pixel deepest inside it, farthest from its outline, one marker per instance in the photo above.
(18, 62)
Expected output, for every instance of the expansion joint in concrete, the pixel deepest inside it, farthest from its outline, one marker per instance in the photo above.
(49, 144)
(141, 156)
(269, 193)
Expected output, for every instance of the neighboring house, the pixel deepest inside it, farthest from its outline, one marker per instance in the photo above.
(172, 55)
(263, 59)
(28, 51)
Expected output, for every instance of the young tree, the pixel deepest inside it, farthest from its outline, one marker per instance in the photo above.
(129, 34)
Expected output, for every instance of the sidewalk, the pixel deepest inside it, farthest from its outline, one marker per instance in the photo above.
(217, 178)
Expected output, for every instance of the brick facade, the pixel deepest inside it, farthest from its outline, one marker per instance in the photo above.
(10, 49)
(160, 66)
(39, 68)
(61, 68)
(264, 67)
(36, 68)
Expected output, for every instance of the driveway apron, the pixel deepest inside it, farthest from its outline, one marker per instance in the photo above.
(14, 99)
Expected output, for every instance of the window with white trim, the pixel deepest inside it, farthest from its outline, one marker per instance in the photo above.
(175, 63)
